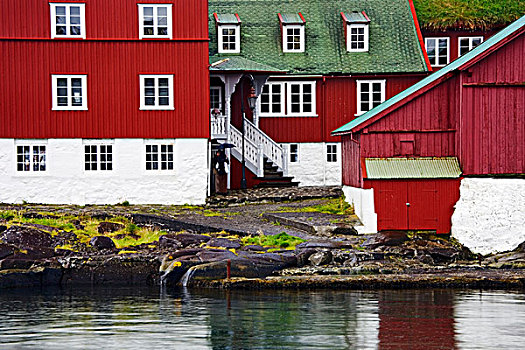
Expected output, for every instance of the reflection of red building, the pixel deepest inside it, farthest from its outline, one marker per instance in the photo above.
(406, 156)
(418, 319)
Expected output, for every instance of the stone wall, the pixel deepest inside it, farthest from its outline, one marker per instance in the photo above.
(490, 214)
(66, 182)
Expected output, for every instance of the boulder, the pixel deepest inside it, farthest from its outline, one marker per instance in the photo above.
(6, 250)
(12, 263)
(182, 240)
(224, 242)
(184, 252)
(3, 228)
(209, 255)
(102, 242)
(105, 227)
(77, 224)
(443, 254)
(35, 215)
(254, 248)
(26, 237)
(325, 244)
(386, 238)
(320, 258)
(303, 256)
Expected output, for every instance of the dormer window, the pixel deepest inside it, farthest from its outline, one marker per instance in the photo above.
(228, 33)
(357, 31)
(292, 31)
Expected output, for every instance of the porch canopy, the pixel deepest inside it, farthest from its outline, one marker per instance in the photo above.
(411, 168)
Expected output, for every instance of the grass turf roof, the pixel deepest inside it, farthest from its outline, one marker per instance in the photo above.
(394, 46)
(468, 14)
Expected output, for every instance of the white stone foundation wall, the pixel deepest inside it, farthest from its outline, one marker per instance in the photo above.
(66, 182)
(490, 214)
(363, 203)
(312, 167)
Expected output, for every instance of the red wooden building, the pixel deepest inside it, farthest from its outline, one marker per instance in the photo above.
(104, 101)
(452, 143)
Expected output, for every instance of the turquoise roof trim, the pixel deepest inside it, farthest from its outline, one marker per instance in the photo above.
(493, 40)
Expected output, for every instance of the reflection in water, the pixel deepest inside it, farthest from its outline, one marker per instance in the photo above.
(211, 319)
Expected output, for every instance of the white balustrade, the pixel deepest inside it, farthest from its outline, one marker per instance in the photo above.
(219, 127)
(271, 149)
(252, 153)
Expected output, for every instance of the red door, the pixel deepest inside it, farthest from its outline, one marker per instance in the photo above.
(424, 204)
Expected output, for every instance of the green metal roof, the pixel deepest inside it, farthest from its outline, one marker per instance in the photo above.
(412, 168)
(394, 45)
(291, 18)
(237, 64)
(356, 17)
(227, 18)
(493, 40)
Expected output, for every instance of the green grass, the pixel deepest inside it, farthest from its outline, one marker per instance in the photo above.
(332, 206)
(281, 241)
(468, 14)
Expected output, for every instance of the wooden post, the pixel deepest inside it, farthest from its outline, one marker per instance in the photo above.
(228, 268)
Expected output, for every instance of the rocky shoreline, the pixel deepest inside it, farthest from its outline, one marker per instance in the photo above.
(63, 246)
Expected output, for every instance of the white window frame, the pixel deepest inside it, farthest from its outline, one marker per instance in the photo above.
(155, 24)
(31, 144)
(302, 43)
(301, 103)
(217, 88)
(271, 98)
(98, 162)
(82, 25)
(297, 153)
(54, 92)
(159, 153)
(470, 39)
(331, 154)
(349, 37)
(370, 92)
(436, 43)
(237, 34)
(156, 107)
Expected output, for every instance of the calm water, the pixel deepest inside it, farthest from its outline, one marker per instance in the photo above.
(147, 319)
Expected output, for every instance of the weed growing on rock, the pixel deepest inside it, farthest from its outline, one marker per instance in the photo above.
(281, 240)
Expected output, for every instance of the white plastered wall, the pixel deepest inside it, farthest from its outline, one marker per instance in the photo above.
(490, 214)
(66, 182)
(312, 168)
(363, 202)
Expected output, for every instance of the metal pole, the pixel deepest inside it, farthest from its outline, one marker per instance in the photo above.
(243, 179)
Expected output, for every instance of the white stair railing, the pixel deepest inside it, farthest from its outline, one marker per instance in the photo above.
(219, 127)
(271, 149)
(253, 153)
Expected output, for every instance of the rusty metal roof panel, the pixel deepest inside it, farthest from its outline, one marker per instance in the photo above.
(412, 168)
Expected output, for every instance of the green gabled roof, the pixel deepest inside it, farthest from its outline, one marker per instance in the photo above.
(291, 18)
(227, 18)
(394, 45)
(238, 64)
(356, 17)
(490, 42)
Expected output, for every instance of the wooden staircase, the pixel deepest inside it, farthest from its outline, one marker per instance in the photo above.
(273, 177)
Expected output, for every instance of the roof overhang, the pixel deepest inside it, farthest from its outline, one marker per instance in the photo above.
(355, 17)
(227, 18)
(411, 168)
(291, 18)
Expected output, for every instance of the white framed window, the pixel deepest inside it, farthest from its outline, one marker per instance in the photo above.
(293, 38)
(156, 92)
(69, 92)
(271, 101)
(155, 21)
(357, 38)
(465, 44)
(30, 158)
(294, 153)
(229, 38)
(159, 157)
(438, 51)
(331, 153)
(68, 20)
(215, 98)
(98, 156)
(370, 93)
(301, 98)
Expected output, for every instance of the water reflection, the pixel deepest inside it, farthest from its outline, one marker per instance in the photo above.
(210, 319)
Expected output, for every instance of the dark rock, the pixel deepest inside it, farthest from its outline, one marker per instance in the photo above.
(182, 240)
(209, 255)
(3, 228)
(99, 215)
(36, 253)
(124, 235)
(65, 237)
(255, 248)
(520, 248)
(12, 263)
(77, 224)
(443, 254)
(43, 227)
(224, 242)
(345, 230)
(35, 215)
(340, 256)
(105, 227)
(6, 250)
(327, 244)
(321, 258)
(24, 237)
(303, 255)
(184, 252)
(26, 279)
(102, 242)
(63, 252)
(386, 238)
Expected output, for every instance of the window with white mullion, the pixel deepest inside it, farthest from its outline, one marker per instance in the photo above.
(159, 157)
(67, 20)
(229, 39)
(293, 38)
(300, 98)
(69, 92)
(98, 157)
(370, 93)
(154, 21)
(31, 158)
(331, 153)
(272, 99)
(465, 44)
(357, 37)
(156, 92)
(216, 98)
(437, 51)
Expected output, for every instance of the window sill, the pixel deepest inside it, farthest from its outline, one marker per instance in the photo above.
(353, 51)
(69, 109)
(288, 115)
(157, 109)
(157, 38)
